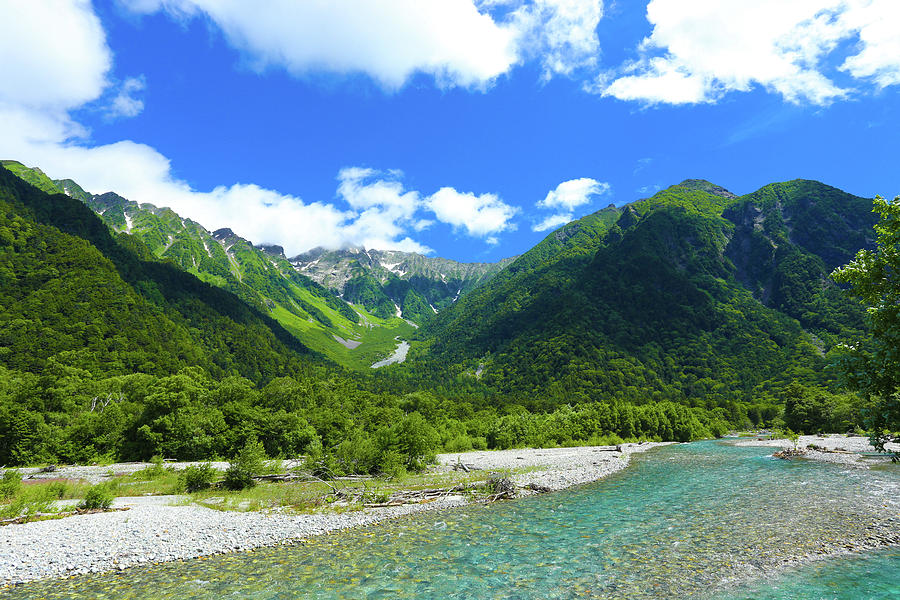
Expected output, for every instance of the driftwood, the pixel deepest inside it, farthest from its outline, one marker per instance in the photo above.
(541, 489)
(497, 487)
(280, 477)
(790, 453)
(502, 488)
(461, 466)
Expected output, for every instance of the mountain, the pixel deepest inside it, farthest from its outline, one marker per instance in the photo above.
(261, 276)
(350, 305)
(75, 297)
(675, 317)
(694, 295)
(389, 282)
(108, 352)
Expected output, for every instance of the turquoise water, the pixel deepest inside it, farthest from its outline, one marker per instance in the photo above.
(705, 520)
(874, 576)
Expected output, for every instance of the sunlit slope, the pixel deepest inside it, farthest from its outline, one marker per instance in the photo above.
(75, 299)
(261, 276)
(664, 298)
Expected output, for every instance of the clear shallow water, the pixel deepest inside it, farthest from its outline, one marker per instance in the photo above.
(705, 520)
(873, 576)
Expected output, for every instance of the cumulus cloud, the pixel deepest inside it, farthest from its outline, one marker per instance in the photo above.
(700, 50)
(551, 222)
(568, 196)
(375, 210)
(561, 34)
(571, 194)
(54, 53)
(390, 41)
(125, 104)
(478, 215)
(459, 42)
(878, 59)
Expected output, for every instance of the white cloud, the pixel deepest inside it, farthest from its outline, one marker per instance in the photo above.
(125, 104)
(877, 22)
(480, 216)
(568, 196)
(378, 212)
(571, 194)
(559, 33)
(552, 221)
(699, 50)
(54, 54)
(466, 43)
(388, 40)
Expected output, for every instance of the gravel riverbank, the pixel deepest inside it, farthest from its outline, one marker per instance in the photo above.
(152, 531)
(839, 448)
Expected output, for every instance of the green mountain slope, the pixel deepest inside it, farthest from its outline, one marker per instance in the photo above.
(667, 302)
(74, 296)
(346, 332)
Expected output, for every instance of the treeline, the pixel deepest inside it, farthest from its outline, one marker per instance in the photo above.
(63, 415)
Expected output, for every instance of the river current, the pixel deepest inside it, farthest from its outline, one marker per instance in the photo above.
(707, 520)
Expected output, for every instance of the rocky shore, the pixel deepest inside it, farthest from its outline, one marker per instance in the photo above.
(151, 531)
(833, 448)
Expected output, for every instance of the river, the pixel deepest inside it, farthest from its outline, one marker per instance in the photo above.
(706, 520)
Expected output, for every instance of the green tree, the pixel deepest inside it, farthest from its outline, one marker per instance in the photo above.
(874, 370)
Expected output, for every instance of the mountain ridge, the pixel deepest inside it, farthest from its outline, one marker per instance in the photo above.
(355, 329)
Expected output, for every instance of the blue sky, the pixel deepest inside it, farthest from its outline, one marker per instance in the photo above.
(467, 129)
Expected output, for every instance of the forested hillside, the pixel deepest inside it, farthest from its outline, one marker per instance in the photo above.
(673, 318)
(260, 275)
(693, 295)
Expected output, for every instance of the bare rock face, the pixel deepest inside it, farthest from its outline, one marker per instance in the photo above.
(438, 281)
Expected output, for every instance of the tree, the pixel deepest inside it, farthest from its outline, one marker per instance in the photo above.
(874, 370)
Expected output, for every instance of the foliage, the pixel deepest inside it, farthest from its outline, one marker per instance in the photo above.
(250, 461)
(631, 323)
(10, 484)
(812, 410)
(154, 471)
(97, 497)
(194, 478)
(874, 278)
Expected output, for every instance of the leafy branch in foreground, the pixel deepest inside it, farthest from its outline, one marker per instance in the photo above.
(874, 278)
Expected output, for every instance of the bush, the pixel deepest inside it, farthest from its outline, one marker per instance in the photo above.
(196, 477)
(154, 471)
(56, 489)
(459, 443)
(393, 465)
(250, 460)
(10, 484)
(98, 496)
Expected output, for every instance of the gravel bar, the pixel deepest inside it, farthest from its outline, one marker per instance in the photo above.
(153, 530)
(841, 449)
(555, 468)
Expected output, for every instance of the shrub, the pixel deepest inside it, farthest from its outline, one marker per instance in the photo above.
(154, 471)
(10, 484)
(98, 496)
(56, 489)
(393, 464)
(196, 477)
(251, 459)
(459, 443)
